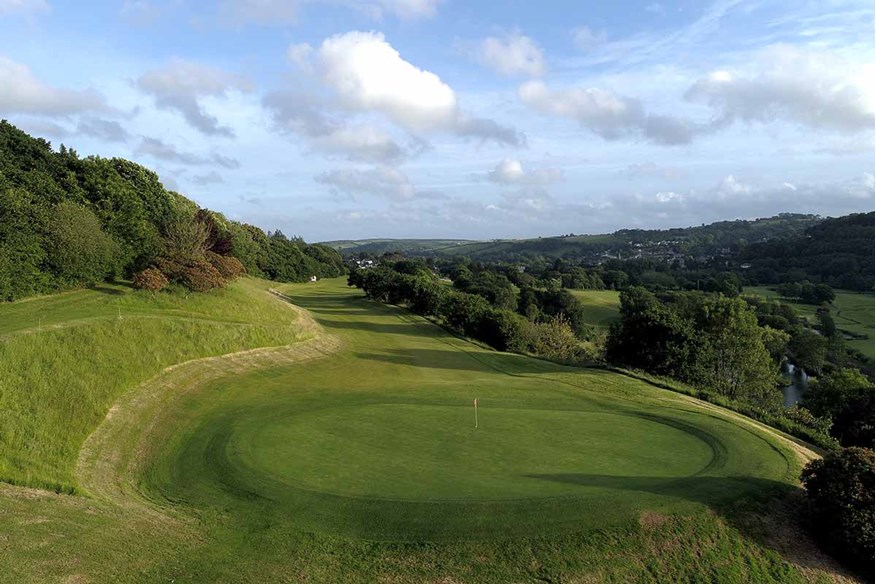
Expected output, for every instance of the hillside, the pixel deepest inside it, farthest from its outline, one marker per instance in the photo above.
(51, 398)
(264, 468)
(415, 247)
(723, 237)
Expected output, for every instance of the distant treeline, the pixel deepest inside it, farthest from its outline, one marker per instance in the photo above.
(67, 221)
(722, 256)
(479, 310)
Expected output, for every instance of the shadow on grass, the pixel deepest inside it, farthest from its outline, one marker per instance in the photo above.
(712, 491)
(428, 359)
(770, 513)
(108, 290)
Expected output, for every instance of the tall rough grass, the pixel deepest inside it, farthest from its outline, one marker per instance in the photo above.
(57, 382)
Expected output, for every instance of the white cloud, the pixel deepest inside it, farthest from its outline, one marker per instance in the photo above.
(301, 115)
(606, 114)
(21, 92)
(23, 7)
(513, 55)
(511, 172)
(382, 181)
(368, 74)
(179, 86)
(810, 87)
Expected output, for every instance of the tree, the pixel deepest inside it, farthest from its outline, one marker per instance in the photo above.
(650, 336)
(846, 398)
(731, 358)
(79, 252)
(809, 350)
(840, 492)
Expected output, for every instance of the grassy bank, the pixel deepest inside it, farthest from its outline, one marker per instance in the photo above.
(65, 359)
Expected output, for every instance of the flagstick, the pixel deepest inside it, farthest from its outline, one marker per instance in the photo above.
(476, 413)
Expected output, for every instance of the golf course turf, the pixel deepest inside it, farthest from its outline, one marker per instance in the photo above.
(342, 456)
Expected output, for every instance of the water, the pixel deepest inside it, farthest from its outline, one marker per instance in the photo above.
(798, 382)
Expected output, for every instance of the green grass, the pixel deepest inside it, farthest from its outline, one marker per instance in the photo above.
(365, 466)
(602, 307)
(852, 312)
(65, 359)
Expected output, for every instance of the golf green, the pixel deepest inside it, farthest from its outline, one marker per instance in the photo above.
(432, 452)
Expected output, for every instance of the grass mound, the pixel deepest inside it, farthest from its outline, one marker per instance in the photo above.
(65, 359)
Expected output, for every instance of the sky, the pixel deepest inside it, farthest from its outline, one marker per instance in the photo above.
(476, 119)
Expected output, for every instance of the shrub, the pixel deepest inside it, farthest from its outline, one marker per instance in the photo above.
(150, 279)
(840, 491)
(229, 266)
(195, 274)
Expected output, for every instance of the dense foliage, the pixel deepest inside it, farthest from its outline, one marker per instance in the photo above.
(840, 491)
(845, 397)
(480, 315)
(67, 221)
(710, 341)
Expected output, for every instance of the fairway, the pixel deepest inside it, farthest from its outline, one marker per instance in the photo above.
(352, 455)
(379, 441)
(601, 307)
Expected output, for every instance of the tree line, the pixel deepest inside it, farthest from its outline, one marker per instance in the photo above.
(68, 221)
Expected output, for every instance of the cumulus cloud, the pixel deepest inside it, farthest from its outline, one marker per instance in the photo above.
(797, 84)
(108, 130)
(283, 12)
(382, 181)
(161, 150)
(23, 7)
(179, 86)
(511, 172)
(301, 115)
(606, 114)
(22, 93)
(512, 55)
(368, 74)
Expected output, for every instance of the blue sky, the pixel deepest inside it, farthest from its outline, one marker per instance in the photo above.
(336, 119)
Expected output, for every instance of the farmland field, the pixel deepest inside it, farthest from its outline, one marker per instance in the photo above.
(852, 311)
(349, 453)
(601, 306)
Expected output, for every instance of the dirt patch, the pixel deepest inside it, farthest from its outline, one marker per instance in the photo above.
(650, 520)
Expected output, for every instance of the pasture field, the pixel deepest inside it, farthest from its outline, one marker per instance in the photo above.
(852, 312)
(352, 455)
(601, 306)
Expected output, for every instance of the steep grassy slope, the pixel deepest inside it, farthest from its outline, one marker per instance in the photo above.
(65, 359)
(353, 457)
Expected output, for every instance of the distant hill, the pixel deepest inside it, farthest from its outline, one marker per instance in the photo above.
(838, 252)
(351, 247)
(722, 238)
